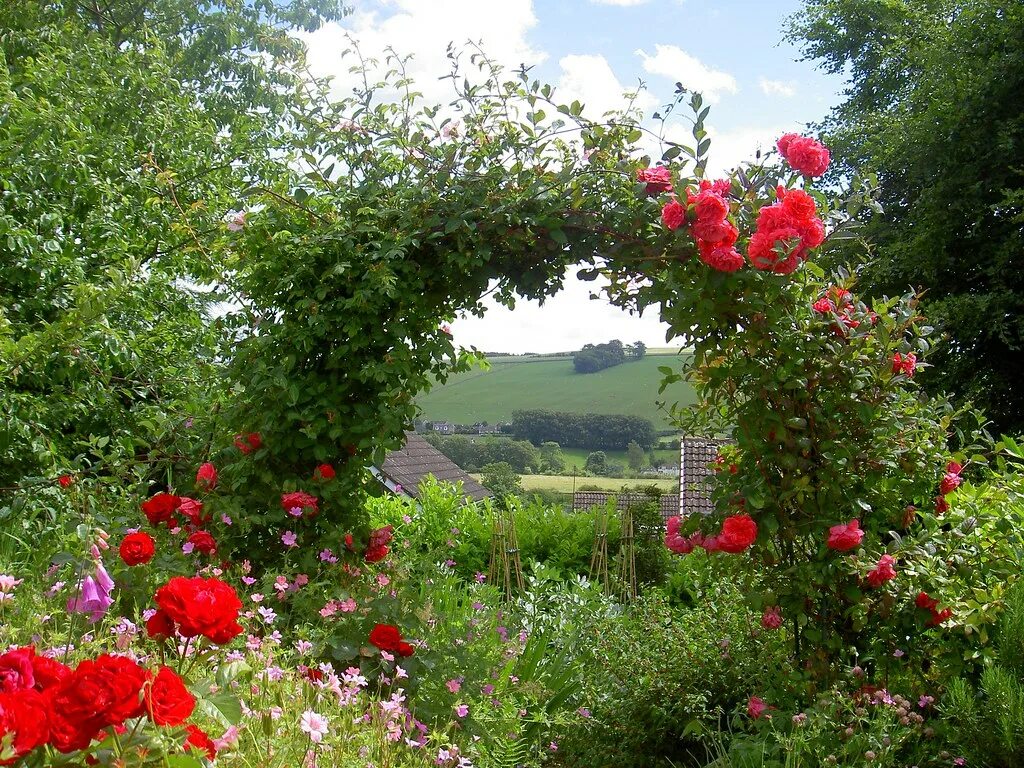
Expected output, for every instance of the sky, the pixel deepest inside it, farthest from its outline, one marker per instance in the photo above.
(732, 51)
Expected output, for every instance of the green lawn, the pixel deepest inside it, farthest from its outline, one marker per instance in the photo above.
(564, 484)
(550, 383)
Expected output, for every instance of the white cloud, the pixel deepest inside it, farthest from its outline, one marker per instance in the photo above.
(675, 63)
(589, 78)
(424, 30)
(565, 322)
(623, 3)
(777, 88)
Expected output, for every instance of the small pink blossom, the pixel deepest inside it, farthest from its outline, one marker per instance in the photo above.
(756, 707)
(314, 725)
(289, 539)
(461, 710)
(454, 686)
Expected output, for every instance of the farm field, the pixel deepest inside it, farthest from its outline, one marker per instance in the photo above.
(563, 484)
(550, 383)
(578, 456)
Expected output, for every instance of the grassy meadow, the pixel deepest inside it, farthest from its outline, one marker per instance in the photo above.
(563, 484)
(550, 383)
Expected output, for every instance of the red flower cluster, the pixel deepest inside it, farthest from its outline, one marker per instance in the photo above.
(845, 537)
(905, 364)
(388, 638)
(137, 548)
(198, 606)
(65, 480)
(930, 604)
(951, 480)
(786, 231)
(804, 154)
(203, 541)
(44, 702)
(324, 472)
(839, 302)
(248, 443)
(161, 508)
(206, 477)
(300, 500)
(883, 571)
(377, 549)
(738, 533)
(772, 617)
(657, 179)
(715, 235)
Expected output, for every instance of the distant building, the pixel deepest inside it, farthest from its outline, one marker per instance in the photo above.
(403, 470)
(444, 427)
(488, 429)
(696, 455)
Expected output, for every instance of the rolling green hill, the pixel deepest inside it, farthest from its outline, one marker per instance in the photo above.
(522, 383)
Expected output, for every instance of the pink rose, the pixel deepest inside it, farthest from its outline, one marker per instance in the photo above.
(883, 571)
(843, 538)
(673, 215)
(657, 179)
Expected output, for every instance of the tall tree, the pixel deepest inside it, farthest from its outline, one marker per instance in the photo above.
(933, 107)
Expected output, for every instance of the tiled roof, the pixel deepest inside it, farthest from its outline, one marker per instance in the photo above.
(581, 500)
(409, 465)
(695, 457)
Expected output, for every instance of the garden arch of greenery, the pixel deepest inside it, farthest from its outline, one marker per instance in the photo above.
(371, 222)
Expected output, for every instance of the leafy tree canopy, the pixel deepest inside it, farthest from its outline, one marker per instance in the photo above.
(933, 107)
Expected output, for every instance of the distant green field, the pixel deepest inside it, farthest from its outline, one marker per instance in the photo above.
(550, 383)
(564, 484)
(578, 456)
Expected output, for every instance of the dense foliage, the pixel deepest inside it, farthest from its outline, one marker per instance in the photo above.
(933, 109)
(596, 357)
(595, 431)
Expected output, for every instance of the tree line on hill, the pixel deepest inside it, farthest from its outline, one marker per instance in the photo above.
(594, 431)
(597, 357)
(521, 455)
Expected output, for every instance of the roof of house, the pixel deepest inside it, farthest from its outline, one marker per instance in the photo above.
(409, 465)
(668, 503)
(695, 459)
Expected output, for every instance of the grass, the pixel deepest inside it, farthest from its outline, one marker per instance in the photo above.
(578, 456)
(564, 484)
(550, 383)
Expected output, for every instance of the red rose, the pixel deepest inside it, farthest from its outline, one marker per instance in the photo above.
(160, 626)
(16, 670)
(949, 483)
(386, 637)
(772, 617)
(657, 179)
(206, 477)
(738, 533)
(202, 541)
(673, 215)
(23, 716)
(65, 480)
(845, 537)
(375, 554)
(160, 508)
(804, 154)
(80, 705)
(193, 510)
(248, 443)
(349, 541)
(883, 571)
(137, 548)
(48, 672)
(722, 258)
(299, 500)
(904, 364)
(324, 472)
(405, 650)
(925, 602)
(941, 505)
(382, 536)
(198, 740)
(125, 678)
(201, 606)
(955, 467)
(168, 701)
